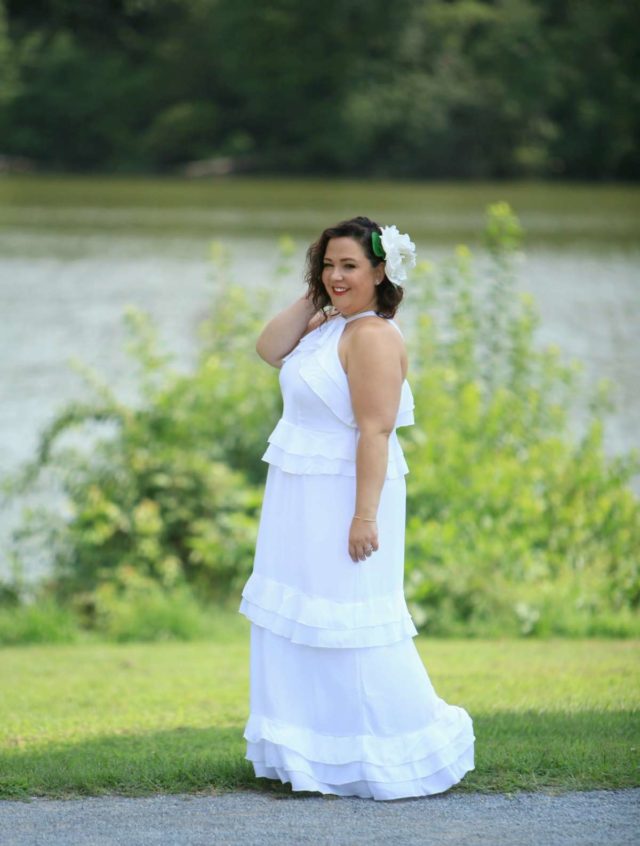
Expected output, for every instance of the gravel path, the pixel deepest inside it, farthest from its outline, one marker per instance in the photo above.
(250, 818)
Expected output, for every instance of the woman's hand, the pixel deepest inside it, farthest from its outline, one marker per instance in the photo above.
(363, 539)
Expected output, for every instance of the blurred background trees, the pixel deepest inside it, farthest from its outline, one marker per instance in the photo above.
(417, 88)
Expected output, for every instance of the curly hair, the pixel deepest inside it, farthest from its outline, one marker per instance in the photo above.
(388, 295)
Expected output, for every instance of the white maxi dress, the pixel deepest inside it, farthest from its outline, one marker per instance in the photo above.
(340, 701)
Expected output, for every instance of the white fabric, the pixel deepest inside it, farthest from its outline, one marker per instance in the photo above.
(340, 701)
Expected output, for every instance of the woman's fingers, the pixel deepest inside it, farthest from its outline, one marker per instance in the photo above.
(360, 552)
(363, 540)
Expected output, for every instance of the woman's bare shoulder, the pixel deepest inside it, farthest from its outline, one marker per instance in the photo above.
(368, 328)
(380, 326)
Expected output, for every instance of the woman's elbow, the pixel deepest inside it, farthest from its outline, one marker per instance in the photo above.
(260, 349)
(274, 362)
(379, 431)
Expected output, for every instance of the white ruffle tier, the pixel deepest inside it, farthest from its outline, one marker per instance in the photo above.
(299, 449)
(379, 729)
(304, 585)
(324, 375)
(319, 621)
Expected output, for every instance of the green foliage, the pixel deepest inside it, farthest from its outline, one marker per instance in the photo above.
(516, 523)
(183, 130)
(8, 74)
(133, 607)
(75, 109)
(45, 621)
(462, 88)
(166, 498)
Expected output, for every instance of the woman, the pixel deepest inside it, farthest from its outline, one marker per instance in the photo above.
(340, 702)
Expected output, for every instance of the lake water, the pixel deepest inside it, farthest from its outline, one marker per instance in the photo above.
(75, 251)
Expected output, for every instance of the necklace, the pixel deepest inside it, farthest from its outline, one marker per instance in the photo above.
(359, 314)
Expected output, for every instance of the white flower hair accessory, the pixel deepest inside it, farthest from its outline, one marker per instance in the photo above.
(398, 251)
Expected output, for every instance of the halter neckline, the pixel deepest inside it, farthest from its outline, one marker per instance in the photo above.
(356, 316)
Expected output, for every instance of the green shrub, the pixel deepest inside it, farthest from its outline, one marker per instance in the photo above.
(514, 523)
(168, 490)
(44, 621)
(136, 607)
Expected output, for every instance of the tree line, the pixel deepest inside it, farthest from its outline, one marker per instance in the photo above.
(412, 89)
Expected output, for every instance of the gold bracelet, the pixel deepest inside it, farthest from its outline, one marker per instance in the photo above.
(366, 519)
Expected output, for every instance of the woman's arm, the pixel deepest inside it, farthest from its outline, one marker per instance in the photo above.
(375, 383)
(282, 332)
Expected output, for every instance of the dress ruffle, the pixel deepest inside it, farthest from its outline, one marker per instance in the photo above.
(318, 621)
(298, 449)
(418, 763)
(323, 373)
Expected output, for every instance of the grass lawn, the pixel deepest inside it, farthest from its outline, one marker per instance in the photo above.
(137, 719)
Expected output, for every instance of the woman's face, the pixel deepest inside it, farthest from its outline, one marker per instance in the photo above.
(349, 277)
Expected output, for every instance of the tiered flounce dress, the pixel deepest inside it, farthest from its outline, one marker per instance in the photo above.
(340, 701)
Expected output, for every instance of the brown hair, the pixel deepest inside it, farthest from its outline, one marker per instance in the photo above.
(388, 295)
